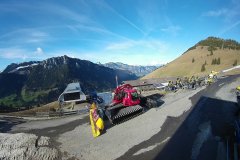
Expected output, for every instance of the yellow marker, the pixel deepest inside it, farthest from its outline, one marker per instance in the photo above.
(97, 123)
(238, 88)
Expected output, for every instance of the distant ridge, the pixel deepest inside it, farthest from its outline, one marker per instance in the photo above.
(136, 69)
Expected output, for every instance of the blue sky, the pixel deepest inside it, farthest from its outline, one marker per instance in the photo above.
(138, 32)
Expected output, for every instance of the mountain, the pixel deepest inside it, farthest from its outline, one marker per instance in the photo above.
(21, 68)
(40, 82)
(207, 55)
(137, 70)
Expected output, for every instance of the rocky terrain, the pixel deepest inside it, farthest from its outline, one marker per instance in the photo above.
(23, 146)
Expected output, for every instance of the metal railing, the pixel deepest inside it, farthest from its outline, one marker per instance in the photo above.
(61, 113)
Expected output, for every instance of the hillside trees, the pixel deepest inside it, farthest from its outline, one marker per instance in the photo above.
(203, 68)
(211, 53)
(216, 61)
(213, 43)
(235, 62)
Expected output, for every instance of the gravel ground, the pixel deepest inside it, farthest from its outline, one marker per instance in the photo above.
(22, 146)
(227, 91)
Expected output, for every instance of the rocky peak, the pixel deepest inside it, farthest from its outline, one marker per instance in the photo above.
(56, 61)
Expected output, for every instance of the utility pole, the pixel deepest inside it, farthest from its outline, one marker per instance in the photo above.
(116, 80)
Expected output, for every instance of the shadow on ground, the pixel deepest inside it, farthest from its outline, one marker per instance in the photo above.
(6, 124)
(155, 96)
(154, 100)
(148, 102)
(199, 133)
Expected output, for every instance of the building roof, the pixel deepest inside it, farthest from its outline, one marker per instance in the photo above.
(72, 87)
(72, 93)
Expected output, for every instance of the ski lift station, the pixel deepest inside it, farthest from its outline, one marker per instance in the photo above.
(72, 93)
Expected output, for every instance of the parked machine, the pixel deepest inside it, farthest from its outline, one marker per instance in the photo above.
(211, 78)
(126, 103)
(213, 75)
(238, 94)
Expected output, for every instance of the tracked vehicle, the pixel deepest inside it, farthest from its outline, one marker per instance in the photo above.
(126, 104)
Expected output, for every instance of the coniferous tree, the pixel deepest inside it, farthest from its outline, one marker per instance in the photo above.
(218, 61)
(203, 68)
(213, 61)
(211, 53)
(235, 63)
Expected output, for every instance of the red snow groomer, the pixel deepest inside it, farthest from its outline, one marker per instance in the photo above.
(125, 104)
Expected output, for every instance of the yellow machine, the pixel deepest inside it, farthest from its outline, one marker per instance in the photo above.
(212, 77)
(179, 83)
(97, 123)
(210, 81)
(213, 74)
(238, 88)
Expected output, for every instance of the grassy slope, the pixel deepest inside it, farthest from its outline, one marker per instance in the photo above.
(183, 66)
(30, 96)
(11, 100)
(32, 112)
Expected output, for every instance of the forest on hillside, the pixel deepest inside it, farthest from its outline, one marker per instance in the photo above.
(213, 43)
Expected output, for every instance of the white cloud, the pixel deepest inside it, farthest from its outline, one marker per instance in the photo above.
(96, 29)
(227, 14)
(137, 46)
(171, 29)
(134, 52)
(120, 46)
(13, 53)
(39, 51)
(23, 36)
(20, 53)
(216, 13)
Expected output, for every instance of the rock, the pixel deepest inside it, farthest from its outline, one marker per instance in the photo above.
(23, 146)
(43, 141)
